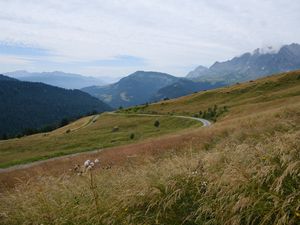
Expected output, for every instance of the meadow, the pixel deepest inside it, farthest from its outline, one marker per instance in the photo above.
(87, 134)
(244, 169)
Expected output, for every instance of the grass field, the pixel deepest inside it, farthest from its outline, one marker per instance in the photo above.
(244, 169)
(86, 134)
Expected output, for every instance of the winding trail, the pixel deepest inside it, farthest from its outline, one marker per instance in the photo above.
(204, 122)
(91, 121)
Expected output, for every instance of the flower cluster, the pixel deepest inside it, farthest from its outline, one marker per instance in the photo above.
(88, 164)
(195, 172)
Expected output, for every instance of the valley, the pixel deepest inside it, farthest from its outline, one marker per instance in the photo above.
(251, 149)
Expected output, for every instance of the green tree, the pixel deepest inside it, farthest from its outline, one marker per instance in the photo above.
(156, 123)
(132, 136)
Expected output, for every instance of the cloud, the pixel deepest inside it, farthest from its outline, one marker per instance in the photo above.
(117, 36)
(12, 60)
(120, 61)
(21, 50)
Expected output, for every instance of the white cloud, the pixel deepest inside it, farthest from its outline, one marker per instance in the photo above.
(171, 35)
(7, 59)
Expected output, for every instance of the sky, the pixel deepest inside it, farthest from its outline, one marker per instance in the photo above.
(113, 38)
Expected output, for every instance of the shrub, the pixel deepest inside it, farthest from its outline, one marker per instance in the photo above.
(156, 123)
(132, 136)
(212, 113)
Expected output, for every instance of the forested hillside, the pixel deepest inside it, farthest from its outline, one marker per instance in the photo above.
(27, 105)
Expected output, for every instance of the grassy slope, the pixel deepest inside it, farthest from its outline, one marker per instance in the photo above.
(242, 170)
(87, 135)
(241, 99)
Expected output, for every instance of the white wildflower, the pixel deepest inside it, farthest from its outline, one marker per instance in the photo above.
(87, 163)
(96, 161)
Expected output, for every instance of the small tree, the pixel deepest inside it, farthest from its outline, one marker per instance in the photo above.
(132, 136)
(156, 123)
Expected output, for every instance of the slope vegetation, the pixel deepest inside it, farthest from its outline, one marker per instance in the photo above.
(27, 105)
(86, 134)
(244, 169)
(240, 99)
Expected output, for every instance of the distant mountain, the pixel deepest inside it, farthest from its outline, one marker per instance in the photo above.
(134, 89)
(57, 78)
(184, 87)
(34, 105)
(5, 78)
(250, 66)
(195, 73)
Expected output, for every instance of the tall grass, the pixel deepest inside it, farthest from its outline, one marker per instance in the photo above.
(247, 173)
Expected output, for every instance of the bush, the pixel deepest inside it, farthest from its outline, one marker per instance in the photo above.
(156, 123)
(212, 113)
(132, 136)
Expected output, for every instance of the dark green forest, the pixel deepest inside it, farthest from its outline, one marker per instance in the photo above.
(27, 107)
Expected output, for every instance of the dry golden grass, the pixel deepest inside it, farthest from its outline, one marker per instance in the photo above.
(241, 171)
(245, 169)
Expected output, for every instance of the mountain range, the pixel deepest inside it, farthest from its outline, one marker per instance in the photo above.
(142, 86)
(57, 78)
(146, 86)
(135, 89)
(249, 66)
(32, 105)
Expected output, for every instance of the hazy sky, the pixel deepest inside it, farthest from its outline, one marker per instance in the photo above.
(116, 37)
